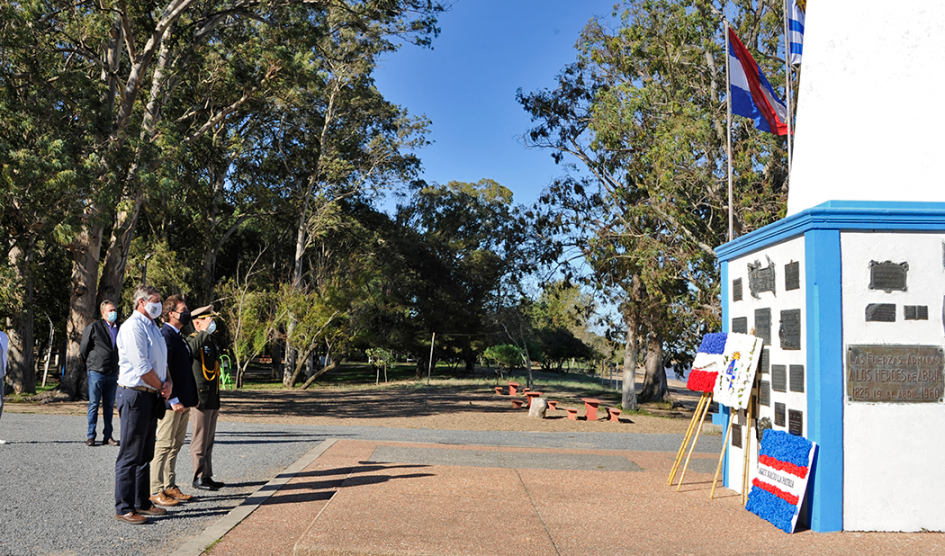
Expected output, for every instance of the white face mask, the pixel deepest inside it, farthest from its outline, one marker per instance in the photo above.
(153, 310)
(211, 328)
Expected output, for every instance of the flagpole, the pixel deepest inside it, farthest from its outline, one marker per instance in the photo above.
(728, 127)
(787, 87)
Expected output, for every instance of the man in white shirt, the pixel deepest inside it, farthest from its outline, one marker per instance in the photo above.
(4, 344)
(143, 385)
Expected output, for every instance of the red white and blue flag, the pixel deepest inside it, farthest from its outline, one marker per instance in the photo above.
(752, 95)
(784, 462)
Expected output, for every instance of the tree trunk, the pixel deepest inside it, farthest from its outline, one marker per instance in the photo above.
(116, 256)
(85, 252)
(654, 383)
(22, 374)
(276, 368)
(628, 399)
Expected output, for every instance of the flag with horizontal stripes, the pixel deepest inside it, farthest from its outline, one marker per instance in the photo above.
(796, 13)
(784, 463)
(709, 362)
(752, 95)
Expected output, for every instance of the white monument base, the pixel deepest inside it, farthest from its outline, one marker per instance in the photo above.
(848, 296)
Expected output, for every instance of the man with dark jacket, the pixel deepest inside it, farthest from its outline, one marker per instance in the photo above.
(99, 351)
(207, 374)
(172, 428)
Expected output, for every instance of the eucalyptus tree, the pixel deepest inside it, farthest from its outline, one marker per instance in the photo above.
(639, 121)
(145, 81)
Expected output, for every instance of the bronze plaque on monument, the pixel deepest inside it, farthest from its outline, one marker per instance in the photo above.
(779, 411)
(792, 276)
(765, 361)
(790, 330)
(761, 279)
(888, 276)
(881, 312)
(763, 325)
(796, 377)
(737, 289)
(779, 378)
(764, 392)
(740, 325)
(796, 422)
(736, 436)
(895, 373)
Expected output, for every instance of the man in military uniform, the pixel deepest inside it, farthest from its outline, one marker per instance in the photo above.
(206, 368)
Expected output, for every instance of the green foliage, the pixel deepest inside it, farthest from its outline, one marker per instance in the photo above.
(504, 355)
(639, 114)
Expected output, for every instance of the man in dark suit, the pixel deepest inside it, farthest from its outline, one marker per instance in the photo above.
(99, 351)
(172, 428)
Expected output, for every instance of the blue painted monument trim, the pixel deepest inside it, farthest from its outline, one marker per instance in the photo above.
(723, 410)
(825, 377)
(841, 215)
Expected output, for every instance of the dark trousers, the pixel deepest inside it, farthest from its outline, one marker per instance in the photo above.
(137, 413)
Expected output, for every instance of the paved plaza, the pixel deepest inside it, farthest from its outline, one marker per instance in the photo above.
(359, 491)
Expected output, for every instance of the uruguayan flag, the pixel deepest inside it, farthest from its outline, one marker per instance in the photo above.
(796, 29)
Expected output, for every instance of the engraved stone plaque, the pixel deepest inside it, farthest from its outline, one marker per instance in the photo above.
(908, 312)
(740, 325)
(888, 276)
(737, 289)
(736, 436)
(779, 410)
(764, 362)
(790, 330)
(792, 276)
(761, 279)
(778, 378)
(895, 373)
(881, 312)
(796, 422)
(764, 392)
(763, 325)
(796, 375)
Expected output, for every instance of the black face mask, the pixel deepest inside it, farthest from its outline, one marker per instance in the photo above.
(184, 318)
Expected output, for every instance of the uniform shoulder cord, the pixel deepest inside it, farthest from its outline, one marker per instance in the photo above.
(213, 374)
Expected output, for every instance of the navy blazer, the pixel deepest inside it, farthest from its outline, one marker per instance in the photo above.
(178, 366)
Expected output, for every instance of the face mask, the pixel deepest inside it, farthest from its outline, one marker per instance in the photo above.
(212, 327)
(111, 316)
(153, 310)
(184, 318)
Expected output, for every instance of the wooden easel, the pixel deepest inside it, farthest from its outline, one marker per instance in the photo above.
(694, 426)
(746, 447)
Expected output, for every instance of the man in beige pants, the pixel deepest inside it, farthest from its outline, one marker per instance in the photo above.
(206, 373)
(172, 428)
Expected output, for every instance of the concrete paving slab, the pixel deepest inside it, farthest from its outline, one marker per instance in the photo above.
(504, 459)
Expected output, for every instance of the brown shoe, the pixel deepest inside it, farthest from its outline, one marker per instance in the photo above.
(90, 442)
(154, 510)
(133, 518)
(176, 494)
(110, 442)
(162, 499)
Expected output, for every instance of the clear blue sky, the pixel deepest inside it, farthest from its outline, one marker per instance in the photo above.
(466, 85)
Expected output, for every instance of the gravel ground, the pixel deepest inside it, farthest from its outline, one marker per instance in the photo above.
(57, 495)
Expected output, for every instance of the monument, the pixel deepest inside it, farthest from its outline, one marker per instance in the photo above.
(847, 290)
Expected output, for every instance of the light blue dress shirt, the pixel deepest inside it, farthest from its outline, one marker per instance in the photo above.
(140, 349)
